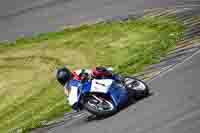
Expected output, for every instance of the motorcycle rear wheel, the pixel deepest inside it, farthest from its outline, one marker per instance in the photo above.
(136, 88)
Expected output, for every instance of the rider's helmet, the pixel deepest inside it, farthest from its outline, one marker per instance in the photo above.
(100, 72)
(63, 75)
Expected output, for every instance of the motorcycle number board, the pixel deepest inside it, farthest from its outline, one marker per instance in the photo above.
(101, 86)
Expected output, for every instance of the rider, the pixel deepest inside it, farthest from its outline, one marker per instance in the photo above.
(64, 76)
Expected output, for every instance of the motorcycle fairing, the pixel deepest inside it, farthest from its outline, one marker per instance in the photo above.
(97, 86)
(101, 86)
(116, 91)
(118, 94)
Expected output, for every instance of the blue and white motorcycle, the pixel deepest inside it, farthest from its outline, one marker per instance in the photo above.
(104, 97)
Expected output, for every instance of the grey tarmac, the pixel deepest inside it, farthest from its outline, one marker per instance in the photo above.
(28, 17)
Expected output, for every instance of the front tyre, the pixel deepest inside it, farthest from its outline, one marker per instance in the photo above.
(100, 106)
(136, 87)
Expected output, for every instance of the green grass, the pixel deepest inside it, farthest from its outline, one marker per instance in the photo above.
(29, 92)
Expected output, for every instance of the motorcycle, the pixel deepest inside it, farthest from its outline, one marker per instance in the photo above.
(105, 97)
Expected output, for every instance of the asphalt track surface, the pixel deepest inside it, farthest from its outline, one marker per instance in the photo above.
(175, 105)
(28, 17)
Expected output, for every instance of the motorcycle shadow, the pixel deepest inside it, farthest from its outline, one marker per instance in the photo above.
(91, 118)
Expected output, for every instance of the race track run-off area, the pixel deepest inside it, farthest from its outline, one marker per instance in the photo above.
(173, 107)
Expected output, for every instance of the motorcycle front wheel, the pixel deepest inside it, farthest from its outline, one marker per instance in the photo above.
(100, 106)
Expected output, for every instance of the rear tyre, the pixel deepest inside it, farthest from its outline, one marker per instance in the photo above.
(136, 88)
(100, 106)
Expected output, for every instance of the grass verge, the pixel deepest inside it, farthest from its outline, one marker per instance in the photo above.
(29, 92)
